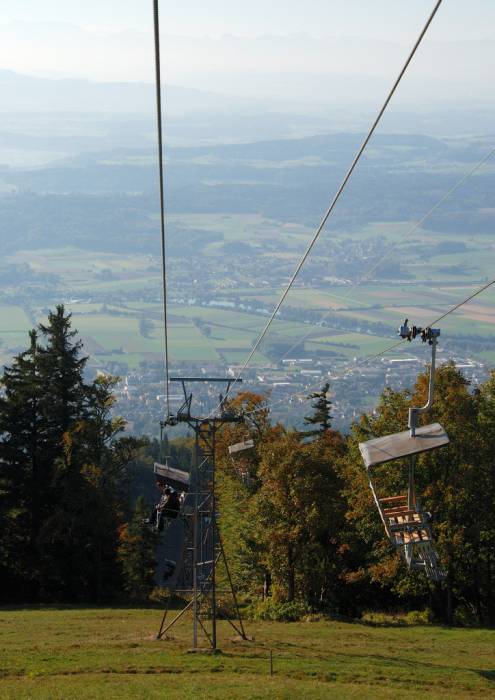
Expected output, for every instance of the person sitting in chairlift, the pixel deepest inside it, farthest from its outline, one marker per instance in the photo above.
(167, 508)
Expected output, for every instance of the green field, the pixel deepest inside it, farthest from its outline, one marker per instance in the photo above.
(130, 285)
(111, 653)
(112, 333)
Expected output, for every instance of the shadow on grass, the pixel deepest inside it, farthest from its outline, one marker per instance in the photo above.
(153, 605)
(488, 675)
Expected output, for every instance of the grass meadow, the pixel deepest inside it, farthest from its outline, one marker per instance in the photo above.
(76, 654)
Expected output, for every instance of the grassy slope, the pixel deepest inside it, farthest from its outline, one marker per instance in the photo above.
(111, 653)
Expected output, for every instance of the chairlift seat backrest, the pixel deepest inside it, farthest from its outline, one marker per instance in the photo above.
(385, 449)
(176, 478)
(241, 446)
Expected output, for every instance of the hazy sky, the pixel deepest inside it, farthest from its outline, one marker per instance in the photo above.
(379, 18)
(260, 47)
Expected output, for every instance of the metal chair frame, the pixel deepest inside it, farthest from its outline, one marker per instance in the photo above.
(406, 524)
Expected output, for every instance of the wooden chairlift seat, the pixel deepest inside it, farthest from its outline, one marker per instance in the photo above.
(410, 532)
(404, 525)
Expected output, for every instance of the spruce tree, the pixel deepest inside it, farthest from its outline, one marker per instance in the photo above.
(321, 417)
(90, 485)
(62, 472)
(61, 369)
(62, 405)
(23, 482)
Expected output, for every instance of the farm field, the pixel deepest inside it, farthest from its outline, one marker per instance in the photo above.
(111, 293)
(244, 227)
(112, 333)
(56, 654)
(78, 267)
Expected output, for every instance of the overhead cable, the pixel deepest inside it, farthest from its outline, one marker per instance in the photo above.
(162, 199)
(339, 192)
(317, 385)
(458, 306)
(406, 235)
(432, 323)
(375, 356)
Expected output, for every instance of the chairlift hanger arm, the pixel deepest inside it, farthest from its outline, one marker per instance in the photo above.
(430, 336)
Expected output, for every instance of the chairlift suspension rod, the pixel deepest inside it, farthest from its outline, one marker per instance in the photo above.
(429, 335)
(414, 412)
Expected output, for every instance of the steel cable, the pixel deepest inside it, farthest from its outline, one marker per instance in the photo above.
(338, 193)
(162, 199)
(375, 356)
(404, 236)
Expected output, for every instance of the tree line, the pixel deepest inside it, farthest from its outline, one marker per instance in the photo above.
(297, 517)
(299, 521)
(63, 481)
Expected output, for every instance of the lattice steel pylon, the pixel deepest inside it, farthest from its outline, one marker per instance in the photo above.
(203, 547)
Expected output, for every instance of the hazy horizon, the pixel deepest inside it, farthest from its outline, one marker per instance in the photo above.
(340, 51)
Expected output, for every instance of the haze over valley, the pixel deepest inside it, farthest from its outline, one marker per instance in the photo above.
(255, 148)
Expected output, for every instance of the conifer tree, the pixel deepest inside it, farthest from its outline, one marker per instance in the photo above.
(61, 369)
(22, 470)
(81, 535)
(62, 472)
(321, 417)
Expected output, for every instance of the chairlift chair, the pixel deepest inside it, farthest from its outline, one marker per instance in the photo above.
(170, 548)
(241, 446)
(173, 477)
(246, 444)
(407, 525)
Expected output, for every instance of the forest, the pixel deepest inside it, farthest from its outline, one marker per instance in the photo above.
(297, 516)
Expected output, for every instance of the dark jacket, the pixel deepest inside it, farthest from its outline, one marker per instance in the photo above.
(167, 508)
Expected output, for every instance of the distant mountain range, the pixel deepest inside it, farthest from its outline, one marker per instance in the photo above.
(21, 93)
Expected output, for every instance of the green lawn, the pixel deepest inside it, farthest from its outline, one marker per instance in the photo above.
(112, 653)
